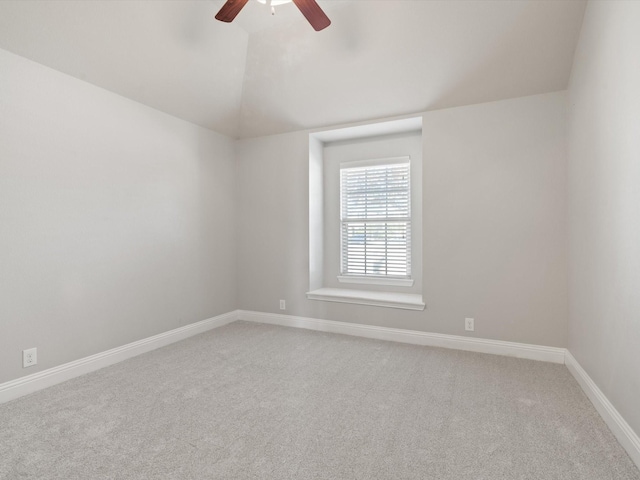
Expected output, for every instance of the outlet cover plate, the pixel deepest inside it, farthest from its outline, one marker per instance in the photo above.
(29, 357)
(468, 324)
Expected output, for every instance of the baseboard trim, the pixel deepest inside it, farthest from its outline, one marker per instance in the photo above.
(52, 376)
(618, 425)
(480, 345)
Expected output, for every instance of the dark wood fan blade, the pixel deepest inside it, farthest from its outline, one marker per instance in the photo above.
(312, 12)
(230, 10)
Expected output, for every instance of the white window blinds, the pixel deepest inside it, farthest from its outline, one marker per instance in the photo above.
(375, 204)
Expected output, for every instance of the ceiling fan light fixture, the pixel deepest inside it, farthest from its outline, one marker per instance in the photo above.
(275, 3)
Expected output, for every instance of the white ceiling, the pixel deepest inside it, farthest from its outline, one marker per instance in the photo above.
(266, 74)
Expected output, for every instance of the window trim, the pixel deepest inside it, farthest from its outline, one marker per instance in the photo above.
(373, 280)
(375, 162)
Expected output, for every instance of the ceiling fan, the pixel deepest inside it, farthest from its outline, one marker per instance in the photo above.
(309, 8)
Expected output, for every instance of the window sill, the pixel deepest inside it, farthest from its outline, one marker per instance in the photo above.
(406, 301)
(396, 282)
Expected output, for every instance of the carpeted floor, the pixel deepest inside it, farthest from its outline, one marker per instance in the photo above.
(251, 401)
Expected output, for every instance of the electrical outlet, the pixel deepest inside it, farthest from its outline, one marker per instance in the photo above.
(468, 324)
(283, 305)
(29, 357)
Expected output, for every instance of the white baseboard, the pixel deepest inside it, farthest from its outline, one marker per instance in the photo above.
(52, 376)
(618, 425)
(496, 347)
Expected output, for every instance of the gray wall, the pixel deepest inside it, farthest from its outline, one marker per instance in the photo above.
(116, 221)
(494, 224)
(604, 203)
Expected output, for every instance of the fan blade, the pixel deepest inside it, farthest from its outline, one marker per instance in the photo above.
(230, 10)
(313, 13)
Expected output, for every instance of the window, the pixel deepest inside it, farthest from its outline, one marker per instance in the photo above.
(365, 215)
(375, 221)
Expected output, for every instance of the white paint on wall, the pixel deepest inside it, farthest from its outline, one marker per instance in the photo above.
(604, 200)
(116, 220)
(494, 225)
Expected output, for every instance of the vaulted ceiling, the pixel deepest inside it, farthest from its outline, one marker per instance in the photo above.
(265, 74)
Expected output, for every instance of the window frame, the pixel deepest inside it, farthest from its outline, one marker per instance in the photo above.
(371, 279)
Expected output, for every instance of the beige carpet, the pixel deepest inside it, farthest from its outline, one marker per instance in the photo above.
(250, 401)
